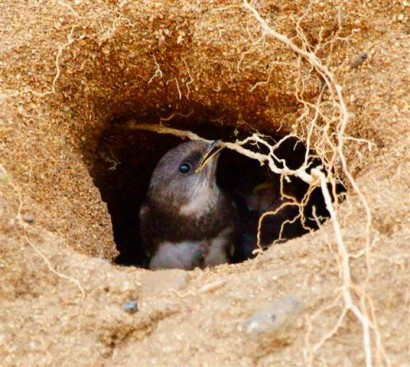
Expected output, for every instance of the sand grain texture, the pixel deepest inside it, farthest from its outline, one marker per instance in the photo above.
(67, 68)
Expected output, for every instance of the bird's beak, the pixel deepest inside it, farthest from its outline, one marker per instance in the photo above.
(213, 150)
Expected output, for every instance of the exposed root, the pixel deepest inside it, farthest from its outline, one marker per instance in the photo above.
(323, 125)
(361, 310)
(4, 176)
(50, 267)
(158, 72)
(160, 129)
(70, 40)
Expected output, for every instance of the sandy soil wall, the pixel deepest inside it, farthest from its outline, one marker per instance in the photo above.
(67, 69)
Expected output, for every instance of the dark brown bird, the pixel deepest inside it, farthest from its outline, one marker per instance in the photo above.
(186, 220)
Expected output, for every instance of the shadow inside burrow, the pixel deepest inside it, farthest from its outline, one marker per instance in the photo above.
(125, 158)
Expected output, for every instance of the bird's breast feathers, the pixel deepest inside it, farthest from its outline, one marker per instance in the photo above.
(190, 254)
(200, 203)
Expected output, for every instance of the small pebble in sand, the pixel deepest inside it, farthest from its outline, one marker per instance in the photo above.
(359, 60)
(130, 306)
(28, 219)
(275, 317)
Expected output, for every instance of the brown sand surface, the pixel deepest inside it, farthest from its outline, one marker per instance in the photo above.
(68, 68)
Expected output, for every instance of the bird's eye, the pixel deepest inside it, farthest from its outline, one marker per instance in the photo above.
(185, 167)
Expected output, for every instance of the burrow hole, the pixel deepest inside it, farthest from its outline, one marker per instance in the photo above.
(124, 160)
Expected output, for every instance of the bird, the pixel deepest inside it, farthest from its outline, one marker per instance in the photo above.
(256, 194)
(186, 220)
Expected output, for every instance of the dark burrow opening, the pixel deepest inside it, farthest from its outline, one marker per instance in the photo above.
(125, 158)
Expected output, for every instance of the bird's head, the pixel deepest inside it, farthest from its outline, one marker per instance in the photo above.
(185, 176)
